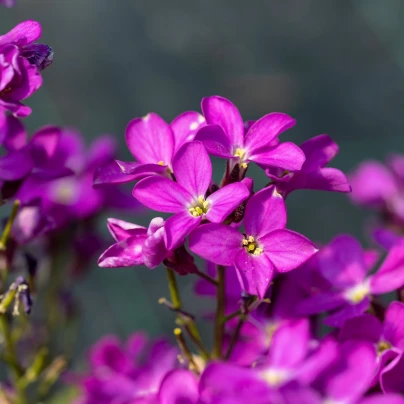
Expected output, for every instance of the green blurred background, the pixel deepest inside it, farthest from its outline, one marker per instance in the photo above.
(336, 66)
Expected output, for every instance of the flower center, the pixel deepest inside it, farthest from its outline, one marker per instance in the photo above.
(161, 163)
(200, 207)
(251, 245)
(383, 346)
(275, 377)
(357, 293)
(240, 153)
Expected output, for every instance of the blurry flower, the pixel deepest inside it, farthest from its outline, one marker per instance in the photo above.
(20, 63)
(345, 265)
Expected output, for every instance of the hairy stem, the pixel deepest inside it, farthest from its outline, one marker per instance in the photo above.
(219, 318)
(188, 322)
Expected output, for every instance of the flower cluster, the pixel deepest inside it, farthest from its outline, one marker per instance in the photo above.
(274, 289)
(50, 236)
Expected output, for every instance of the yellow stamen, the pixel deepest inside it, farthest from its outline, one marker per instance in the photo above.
(383, 346)
(161, 163)
(251, 246)
(200, 207)
(357, 293)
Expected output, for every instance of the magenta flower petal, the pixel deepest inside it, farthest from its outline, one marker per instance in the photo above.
(193, 169)
(225, 200)
(324, 179)
(352, 378)
(220, 111)
(121, 230)
(286, 155)
(375, 192)
(162, 194)
(393, 328)
(216, 242)
(385, 237)
(391, 377)
(320, 302)
(289, 344)
(263, 131)
(150, 139)
(319, 151)
(364, 327)
(23, 34)
(254, 272)
(124, 253)
(15, 135)
(286, 249)
(383, 399)
(265, 212)
(16, 165)
(342, 262)
(390, 276)
(110, 174)
(348, 311)
(177, 227)
(185, 127)
(179, 386)
(215, 141)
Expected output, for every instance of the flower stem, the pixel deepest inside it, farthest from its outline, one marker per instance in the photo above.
(235, 337)
(207, 278)
(187, 322)
(7, 230)
(185, 350)
(219, 318)
(173, 287)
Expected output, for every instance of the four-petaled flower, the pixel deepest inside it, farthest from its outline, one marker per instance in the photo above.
(266, 245)
(187, 197)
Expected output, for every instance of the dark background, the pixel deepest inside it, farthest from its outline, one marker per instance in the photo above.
(336, 66)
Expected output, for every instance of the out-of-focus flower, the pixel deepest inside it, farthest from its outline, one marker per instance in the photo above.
(265, 246)
(345, 265)
(127, 374)
(20, 63)
(314, 174)
(8, 3)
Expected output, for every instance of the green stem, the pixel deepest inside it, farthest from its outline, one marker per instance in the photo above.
(7, 230)
(173, 287)
(207, 278)
(189, 324)
(235, 337)
(219, 318)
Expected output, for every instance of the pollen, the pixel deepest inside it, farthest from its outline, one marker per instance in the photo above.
(200, 207)
(161, 163)
(357, 293)
(383, 346)
(251, 246)
(240, 153)
(275, 377)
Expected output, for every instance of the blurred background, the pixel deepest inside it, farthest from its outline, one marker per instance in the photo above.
(337, 67)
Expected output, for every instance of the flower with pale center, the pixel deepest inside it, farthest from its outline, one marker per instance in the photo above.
(252, 246)
(357, 293)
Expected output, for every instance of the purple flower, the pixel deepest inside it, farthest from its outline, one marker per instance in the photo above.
(345, 265)
(265, 246)
(7, 3)
(224, 136)
(289, 368)
(20, 63)
(17, 162)
(314, 174)
(388, 339)
(187, 196)
(118, 375)
(179, 386)
(153, 143)
(136, 245)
